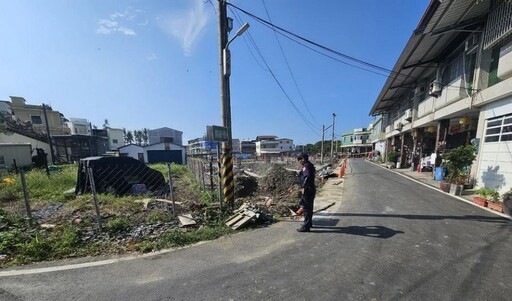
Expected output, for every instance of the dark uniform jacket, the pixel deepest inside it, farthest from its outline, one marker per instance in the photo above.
(307, 177)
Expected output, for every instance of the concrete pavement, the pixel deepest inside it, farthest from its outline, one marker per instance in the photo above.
(427, 179)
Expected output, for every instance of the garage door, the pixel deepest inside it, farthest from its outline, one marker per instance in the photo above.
(159, 156)
(495, 169)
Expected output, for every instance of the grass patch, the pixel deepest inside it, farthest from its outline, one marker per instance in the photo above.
(117, 225)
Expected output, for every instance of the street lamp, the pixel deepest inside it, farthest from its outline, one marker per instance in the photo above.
(227, 177)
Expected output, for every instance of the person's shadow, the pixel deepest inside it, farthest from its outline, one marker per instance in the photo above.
(370, 231)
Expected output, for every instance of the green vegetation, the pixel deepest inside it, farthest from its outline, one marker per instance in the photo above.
(70, 230)
(393, 156)
(489, 194)
(457, 160)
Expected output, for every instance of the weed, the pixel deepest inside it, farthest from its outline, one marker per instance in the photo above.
(117, 225)
(155, 217)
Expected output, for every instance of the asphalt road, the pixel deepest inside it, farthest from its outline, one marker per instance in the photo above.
(388, 239)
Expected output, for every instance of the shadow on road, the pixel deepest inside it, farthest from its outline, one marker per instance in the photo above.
(370, 231)
(478, 218)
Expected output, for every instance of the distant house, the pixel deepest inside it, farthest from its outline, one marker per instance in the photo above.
(36, 116)
(200, 147)
(155, 153)
(165, 134)
(248, 148)
(115, 138)
(356, 142)
(72, 148)
(79, 126)
(270, 146)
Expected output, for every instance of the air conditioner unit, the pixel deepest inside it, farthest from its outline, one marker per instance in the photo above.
(408, 115)
(399, 126)
(434, 89)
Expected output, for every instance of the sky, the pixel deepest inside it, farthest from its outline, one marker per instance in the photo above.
(151, 64)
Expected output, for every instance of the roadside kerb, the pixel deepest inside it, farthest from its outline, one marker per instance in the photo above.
(439, 190)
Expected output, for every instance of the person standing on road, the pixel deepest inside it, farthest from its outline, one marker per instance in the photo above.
(308, 190)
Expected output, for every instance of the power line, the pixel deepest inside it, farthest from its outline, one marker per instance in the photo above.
(348, 57)
(288, 65)
(306, 121)
(382, 69)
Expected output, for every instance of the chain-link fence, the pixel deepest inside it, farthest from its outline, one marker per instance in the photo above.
(95, 176)
(206, 173)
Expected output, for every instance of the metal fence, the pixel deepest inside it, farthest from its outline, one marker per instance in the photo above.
(118, 180)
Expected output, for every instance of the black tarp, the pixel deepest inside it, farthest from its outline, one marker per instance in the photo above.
(120, 176)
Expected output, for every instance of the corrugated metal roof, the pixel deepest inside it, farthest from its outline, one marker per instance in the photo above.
(427, 44)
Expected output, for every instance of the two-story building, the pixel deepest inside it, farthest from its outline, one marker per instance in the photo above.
(356, 142)
(452, 86)
(39, 117)
(270, 146)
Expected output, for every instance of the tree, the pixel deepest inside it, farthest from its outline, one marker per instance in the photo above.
(138, 136)
(145, 136)
(129, 137)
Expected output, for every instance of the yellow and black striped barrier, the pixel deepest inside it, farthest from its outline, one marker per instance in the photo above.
(228, 179)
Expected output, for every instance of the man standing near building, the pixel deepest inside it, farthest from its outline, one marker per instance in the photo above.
(308, 190)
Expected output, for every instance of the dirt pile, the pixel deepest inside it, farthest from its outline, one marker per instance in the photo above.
(245, 185)
(278, 181)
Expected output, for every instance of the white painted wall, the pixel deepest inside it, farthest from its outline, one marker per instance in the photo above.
(21, 152)
(133, 151)
(495, 158)
(115, 134)
(17, 138)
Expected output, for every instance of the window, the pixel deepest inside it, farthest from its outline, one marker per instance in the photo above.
(114, 141)
(453, 70)
(499, 129)
(2, 160)
(36, 119)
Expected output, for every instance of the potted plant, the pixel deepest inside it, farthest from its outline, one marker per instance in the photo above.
(493, 201)
(393, 156)
(507, 202)
(457, 160)
(481, 196)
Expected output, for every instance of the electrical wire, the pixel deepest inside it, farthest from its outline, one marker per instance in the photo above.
(382, 69)
(301, 115)
(288, 65)
(348, 57)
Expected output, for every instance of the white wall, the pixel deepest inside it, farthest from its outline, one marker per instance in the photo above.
(21, 152)
(133, 151)
(494, 166)
(17, 138)
(115, 134)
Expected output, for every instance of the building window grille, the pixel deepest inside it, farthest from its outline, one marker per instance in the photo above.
(36, 119)
(499, 129)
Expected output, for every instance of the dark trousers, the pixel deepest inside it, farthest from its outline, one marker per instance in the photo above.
(308, 200)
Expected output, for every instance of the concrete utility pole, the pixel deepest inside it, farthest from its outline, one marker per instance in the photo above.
(322, 146)
(48, 135)
(227, 176)
(332, 140)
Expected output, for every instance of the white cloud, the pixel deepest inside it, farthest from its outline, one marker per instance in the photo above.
(186, 25)
(117, 22)
(151, 57)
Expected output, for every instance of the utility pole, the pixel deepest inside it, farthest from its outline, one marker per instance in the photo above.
(48, 135)
(322, 146)
(332, 141)
(227, 178)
